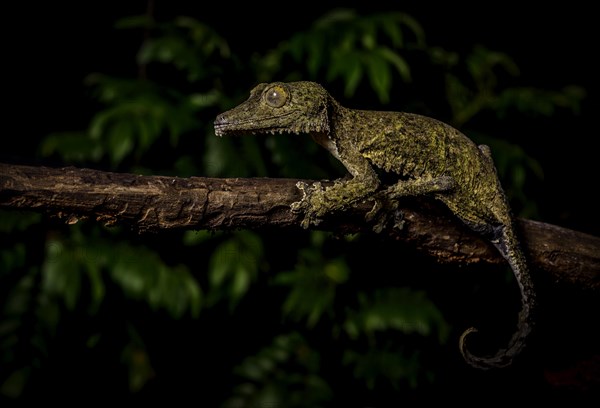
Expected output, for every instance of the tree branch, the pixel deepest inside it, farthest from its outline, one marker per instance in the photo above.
(153, 203)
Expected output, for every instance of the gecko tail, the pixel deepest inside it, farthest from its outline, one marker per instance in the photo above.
(503, 358)
(508, 246)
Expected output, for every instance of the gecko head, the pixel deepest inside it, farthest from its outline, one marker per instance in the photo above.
(278, 107)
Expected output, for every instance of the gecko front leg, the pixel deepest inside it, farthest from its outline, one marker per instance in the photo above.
(318, 201)
(311, 204)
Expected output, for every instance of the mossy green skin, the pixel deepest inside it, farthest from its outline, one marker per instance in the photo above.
(426, 156)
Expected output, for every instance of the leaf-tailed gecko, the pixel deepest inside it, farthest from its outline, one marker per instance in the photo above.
(426, 156)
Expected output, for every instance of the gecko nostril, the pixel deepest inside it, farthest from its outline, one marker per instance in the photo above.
(220, 119)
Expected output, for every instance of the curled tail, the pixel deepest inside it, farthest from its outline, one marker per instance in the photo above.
(509, 247)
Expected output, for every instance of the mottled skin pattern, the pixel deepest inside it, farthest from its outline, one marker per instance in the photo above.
(426, 156)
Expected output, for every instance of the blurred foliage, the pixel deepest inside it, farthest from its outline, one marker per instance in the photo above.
(346, 46)
(136, 270)
(402, 309)
(137, 114)
(233, 265)
(312, 283)
(332, 312)
(283, 374)
(480, 92)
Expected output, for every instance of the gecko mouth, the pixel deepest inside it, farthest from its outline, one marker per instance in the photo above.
(252, 125)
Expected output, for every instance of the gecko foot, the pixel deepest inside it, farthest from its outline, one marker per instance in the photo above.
(385, 213)
(310, 204)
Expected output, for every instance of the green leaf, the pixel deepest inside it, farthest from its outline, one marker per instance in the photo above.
(98, 124)
(233, 266)
(414, 26)
(353, 77)
(347, 64)
(380, 76)
(206, 99)
(397, 61)
(337, 270)
(97, 287)
(61, 274)
(120, 141)
(312, 285)
(142, 275)
(130, 276)
(222, 262)
(401, 309)
(392, 29)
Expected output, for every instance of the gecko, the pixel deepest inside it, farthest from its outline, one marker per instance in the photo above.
(427, 157)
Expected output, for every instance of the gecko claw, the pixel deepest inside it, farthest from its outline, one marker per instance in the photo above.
(385, 213)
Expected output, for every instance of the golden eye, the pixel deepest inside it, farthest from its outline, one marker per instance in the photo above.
(276, 96)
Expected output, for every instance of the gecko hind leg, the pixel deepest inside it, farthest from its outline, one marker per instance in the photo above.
(385, 208)
(419, 187)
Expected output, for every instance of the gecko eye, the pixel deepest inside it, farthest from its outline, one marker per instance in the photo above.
(276, 96)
